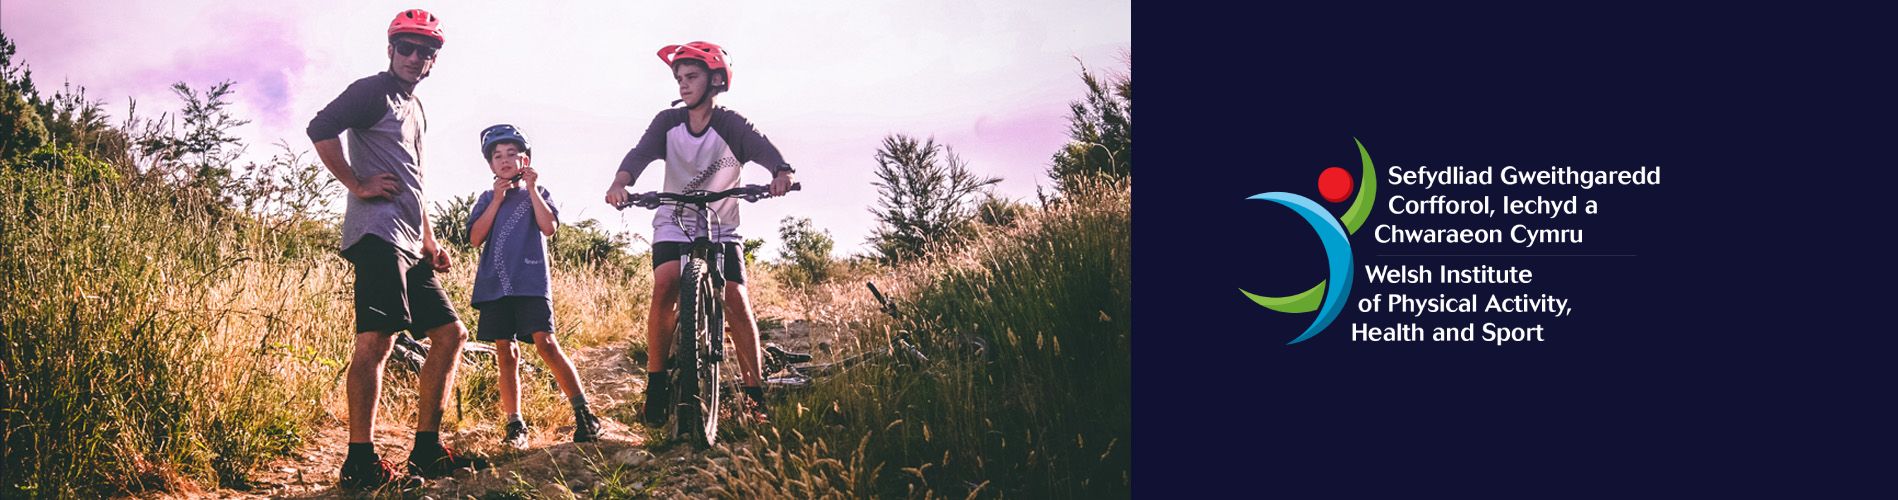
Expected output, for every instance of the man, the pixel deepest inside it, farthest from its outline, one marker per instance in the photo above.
(386, 236)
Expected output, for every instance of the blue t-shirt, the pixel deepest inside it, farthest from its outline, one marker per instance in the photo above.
(514, 258)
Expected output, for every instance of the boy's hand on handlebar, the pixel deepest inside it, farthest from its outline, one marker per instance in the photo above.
(618, 197)
(781, 184)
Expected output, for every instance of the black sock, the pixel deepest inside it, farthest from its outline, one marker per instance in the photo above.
(361, 452)
(756, 393)
(655, 380)
(579, 405)
(429, 440)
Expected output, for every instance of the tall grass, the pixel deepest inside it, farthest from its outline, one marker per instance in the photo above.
(1049, 416)
(151, 339)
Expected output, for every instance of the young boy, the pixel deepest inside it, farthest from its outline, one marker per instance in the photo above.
(703, 146)
(511, 224)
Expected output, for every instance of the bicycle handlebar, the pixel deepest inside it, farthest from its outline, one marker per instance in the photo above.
(884, 303)
(751, 193)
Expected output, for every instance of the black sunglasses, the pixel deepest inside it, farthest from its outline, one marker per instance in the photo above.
(407, 48)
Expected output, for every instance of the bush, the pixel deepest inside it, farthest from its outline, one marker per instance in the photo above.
(924, 196)
(587, 242)
(1000, 212)
(1100, 132)
(805, 258)
(151, 344)
(1049, 417)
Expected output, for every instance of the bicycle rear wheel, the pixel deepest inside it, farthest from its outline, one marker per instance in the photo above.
(695, 368)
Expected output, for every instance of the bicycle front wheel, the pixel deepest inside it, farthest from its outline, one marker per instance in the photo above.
(695, 380)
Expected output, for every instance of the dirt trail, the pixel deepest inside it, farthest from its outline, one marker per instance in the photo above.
(619, 463)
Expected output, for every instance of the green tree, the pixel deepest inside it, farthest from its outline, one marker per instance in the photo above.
(74, 119)
(17, 78)
(924, 196)
(21, 130)
(450, 220)
(69, 124)
(805, 257)
(200, 155)
(1100, 131)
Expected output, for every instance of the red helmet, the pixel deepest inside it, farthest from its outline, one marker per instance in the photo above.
(416, 22)
(711, 54)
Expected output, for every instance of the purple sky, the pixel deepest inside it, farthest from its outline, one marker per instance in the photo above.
(825, 82)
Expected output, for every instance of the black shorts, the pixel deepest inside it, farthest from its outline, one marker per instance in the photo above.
(668, 251)
(396, 291)
(514, 318)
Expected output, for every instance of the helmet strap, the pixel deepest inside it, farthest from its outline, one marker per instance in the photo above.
(703, 97)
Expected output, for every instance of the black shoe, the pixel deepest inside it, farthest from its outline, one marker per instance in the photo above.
(751, 411)
(586, 427)
(366, 475)
(752, 406)
(442, 462)
(516, 436)
(658, 404)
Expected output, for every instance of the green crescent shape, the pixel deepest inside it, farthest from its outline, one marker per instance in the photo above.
(1354, 217)
(1367, 194)
(1302, 302)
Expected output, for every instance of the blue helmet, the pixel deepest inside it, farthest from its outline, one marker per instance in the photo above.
(499, 133)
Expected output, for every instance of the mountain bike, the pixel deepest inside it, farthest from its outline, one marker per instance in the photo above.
(784, 369)
(699, 348)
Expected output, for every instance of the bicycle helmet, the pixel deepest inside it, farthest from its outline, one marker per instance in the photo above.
(499, 133)
(714, 57)
(417, 22)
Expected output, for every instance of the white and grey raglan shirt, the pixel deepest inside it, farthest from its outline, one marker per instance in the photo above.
(707, 161)
(384, 122)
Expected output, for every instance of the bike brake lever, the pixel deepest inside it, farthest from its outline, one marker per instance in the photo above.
(643, 201)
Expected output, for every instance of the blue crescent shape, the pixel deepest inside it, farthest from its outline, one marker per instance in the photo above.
(1337, 251)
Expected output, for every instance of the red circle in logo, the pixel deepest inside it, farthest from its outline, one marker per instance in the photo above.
(1334, 184)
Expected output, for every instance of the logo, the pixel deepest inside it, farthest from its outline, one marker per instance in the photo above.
(1334, 185)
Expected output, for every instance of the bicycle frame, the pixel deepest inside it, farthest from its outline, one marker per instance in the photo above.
(696, 358)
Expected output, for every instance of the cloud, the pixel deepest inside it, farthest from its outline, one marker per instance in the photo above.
(826, 80)
(140, 49)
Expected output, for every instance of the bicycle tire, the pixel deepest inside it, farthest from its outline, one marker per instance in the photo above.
(712, 351)
(695, 408)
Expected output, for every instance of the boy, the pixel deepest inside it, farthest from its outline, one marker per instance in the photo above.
(511, 224)
(703, 146)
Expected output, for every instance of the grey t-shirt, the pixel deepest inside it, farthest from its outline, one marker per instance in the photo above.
(514, 258)
(384, 122)
(708, 160)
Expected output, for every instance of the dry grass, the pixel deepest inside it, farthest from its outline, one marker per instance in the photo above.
(152, 343)
(1050, 416)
